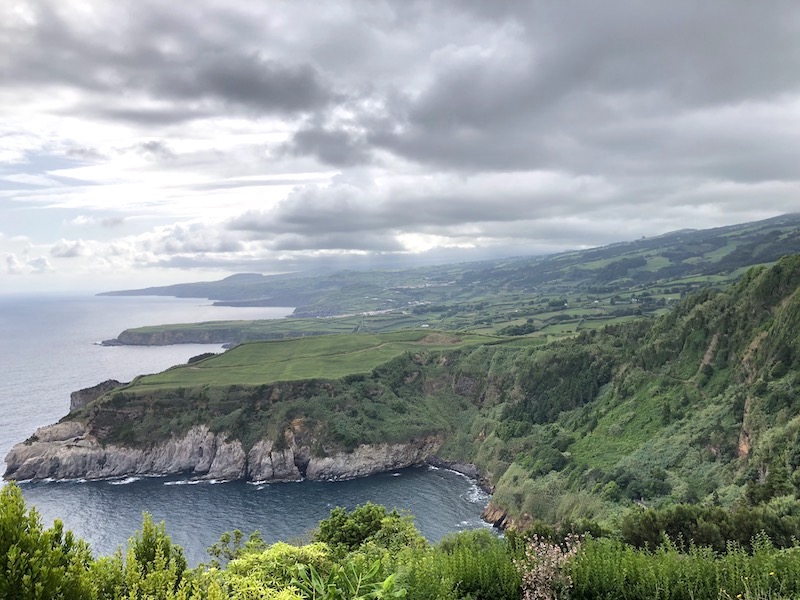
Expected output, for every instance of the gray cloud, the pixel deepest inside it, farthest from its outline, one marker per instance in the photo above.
(154, 53)
(87, 221)
(13, 264)
(335, 147)
(38, 265)
(356, 208)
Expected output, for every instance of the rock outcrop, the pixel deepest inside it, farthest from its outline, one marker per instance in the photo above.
(68, 450)
(496, 516)
(370, 459)
(81, 398)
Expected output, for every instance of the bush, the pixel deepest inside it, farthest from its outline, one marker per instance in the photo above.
(345, 532)
(473, 564)
(712, 526)
(610, 569)
(39, 563)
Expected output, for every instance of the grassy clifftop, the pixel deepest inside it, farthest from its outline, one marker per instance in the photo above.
(330, 392)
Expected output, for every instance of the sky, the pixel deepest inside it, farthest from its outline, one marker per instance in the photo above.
(145, 142)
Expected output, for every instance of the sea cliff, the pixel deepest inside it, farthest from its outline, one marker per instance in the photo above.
(68, 450)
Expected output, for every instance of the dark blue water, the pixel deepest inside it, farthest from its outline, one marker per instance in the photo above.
(48, 349)
(106, 513)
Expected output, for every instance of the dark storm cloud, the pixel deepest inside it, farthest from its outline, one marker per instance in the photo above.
(570, 73)
(373, 242)
(582, 87)
(155, 149)
(154, 54)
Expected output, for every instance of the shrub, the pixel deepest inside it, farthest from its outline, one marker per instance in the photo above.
(39, 563)
(472, 564)
(345, 532)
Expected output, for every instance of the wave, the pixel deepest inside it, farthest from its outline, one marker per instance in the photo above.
(125, 481)
(260, 483)
(197, 481)
(49, 480)
(476, 495)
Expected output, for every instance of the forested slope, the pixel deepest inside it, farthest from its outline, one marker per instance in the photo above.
(699, 404)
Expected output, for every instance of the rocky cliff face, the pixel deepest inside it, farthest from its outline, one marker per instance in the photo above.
(69, 451)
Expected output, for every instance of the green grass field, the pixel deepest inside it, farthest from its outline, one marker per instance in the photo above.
(318, 357)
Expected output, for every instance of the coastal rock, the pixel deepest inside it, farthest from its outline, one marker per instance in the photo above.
(83, 397)
(60, 432)
(496, 516)
(265, 463)
(369, 459)
(69, 451)
(169, 337)
(230, 461)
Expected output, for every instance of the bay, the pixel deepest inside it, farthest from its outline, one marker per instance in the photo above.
(48, 348)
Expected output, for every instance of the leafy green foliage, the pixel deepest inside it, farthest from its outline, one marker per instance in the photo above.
(368, 523)
(475, 565)
(712, 526)
(352, 580)
(154, 566)
(610, 569)
(38, 563)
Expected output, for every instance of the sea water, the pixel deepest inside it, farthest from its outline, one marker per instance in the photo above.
(49, 347)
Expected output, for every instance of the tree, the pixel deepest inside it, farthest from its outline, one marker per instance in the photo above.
(369, 522)
(39, 563)
(154, 566)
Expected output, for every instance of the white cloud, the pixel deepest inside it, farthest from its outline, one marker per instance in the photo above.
(13, 265)
(37, 265)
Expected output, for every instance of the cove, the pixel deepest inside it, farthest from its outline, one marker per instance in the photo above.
(107, 513)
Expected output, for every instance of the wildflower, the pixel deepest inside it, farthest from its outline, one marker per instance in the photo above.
(541, 568)
(772, 573)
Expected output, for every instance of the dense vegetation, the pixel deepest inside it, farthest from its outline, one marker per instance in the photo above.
(695, 406)
(372, 553)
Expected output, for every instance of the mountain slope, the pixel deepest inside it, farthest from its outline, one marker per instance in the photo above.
(700, 406)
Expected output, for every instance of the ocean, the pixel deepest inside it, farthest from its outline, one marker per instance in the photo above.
(49, 348)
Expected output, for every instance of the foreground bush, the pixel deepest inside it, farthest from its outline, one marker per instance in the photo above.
(474, 564)
(713, 526)
(35, 562)
(608, 569)
(370, 553)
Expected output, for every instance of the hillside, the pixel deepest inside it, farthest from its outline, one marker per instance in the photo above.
(548, 297)
(696, 405)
